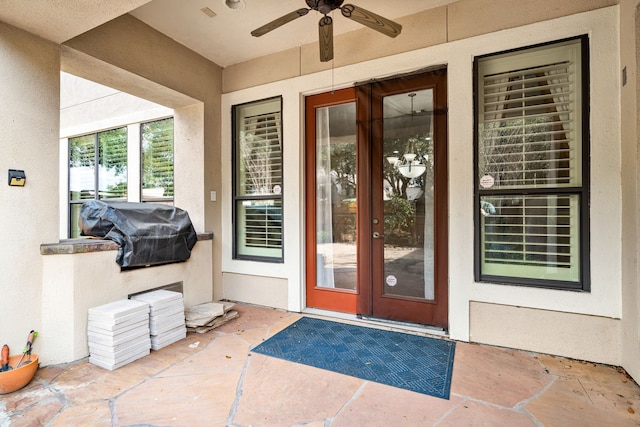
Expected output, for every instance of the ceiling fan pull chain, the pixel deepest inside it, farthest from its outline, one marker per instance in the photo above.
(333, 88)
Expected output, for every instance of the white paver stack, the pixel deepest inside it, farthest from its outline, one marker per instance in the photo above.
(166, 316)
(118, 333)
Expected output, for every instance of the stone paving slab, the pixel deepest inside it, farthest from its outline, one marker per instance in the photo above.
(212, 379)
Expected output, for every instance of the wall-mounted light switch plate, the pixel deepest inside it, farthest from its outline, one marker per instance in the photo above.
(213, 196)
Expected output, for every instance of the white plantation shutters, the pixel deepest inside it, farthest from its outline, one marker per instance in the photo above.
(530, 176)
(112, 164)
(531, 236)
(258, 180)
(261, 153)
(527, 135)
(157, 161)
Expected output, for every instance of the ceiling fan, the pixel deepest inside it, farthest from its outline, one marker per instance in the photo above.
(325, 26)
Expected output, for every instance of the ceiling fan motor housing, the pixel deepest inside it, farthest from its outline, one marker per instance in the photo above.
(324, 6)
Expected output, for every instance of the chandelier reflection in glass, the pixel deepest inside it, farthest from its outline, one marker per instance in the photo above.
(410, 165)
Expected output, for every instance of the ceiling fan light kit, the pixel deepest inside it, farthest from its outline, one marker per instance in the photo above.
(325, 25)
(235, 4)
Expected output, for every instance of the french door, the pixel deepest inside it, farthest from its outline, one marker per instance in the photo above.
(376, 200)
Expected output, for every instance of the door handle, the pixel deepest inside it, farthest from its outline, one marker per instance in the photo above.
(377, 235)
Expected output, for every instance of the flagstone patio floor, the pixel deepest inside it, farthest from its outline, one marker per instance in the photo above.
(212, 379)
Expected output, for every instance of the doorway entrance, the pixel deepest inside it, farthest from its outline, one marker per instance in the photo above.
(376, 206)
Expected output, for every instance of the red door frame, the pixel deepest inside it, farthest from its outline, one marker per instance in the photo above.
(431, 312)
(368, 299)
(317, 297)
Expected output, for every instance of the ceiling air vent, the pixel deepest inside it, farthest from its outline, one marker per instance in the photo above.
(210, 13)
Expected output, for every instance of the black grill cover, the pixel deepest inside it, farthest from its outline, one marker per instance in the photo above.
(146, 234)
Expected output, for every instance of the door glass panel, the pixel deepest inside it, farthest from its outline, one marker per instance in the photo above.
(336, 197)
(408, 194)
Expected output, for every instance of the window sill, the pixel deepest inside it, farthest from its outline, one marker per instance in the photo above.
(88, 245)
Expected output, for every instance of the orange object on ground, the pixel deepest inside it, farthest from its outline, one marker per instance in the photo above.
(5, 358)
(18, 377)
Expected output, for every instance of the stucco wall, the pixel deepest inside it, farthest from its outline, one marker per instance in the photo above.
(29, 92)
(604, 301)
(50, 293)
(128, 55)
(76, 282)
(266, 291)
(456, 21)
(591, 337)
(630, 111)
(86, 107)
(132, 57)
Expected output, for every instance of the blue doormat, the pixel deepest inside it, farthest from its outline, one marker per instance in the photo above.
(411, 362)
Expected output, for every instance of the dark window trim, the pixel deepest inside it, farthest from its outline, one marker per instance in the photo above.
(235, 198)
(583, 192)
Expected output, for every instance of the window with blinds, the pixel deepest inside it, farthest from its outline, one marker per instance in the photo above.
(530, 236)
(530, 182)
(258, 180)
(157, 161)
(261, 154)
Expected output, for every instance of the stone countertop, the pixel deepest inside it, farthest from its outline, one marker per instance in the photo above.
(89, 244)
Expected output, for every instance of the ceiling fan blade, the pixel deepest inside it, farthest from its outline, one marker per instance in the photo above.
(279, 22)
(371, 20)
(325, 33)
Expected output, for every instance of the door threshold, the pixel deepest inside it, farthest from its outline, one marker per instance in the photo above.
(374, 321)
(435, 329)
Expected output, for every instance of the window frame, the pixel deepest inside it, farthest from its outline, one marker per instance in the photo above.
(582, 191)
(96, 173)
(134, 185)
(236, 197)
(168, 200)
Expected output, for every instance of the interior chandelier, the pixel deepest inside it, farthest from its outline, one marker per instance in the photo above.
(410, 165)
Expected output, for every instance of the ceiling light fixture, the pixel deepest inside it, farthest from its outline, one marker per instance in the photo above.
(410, 165)
(235, 4)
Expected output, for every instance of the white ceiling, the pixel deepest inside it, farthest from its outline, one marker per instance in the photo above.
(61, 20)
(224, 39)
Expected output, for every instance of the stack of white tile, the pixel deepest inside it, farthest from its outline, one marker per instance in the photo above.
(118, 333)
(166, 317)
